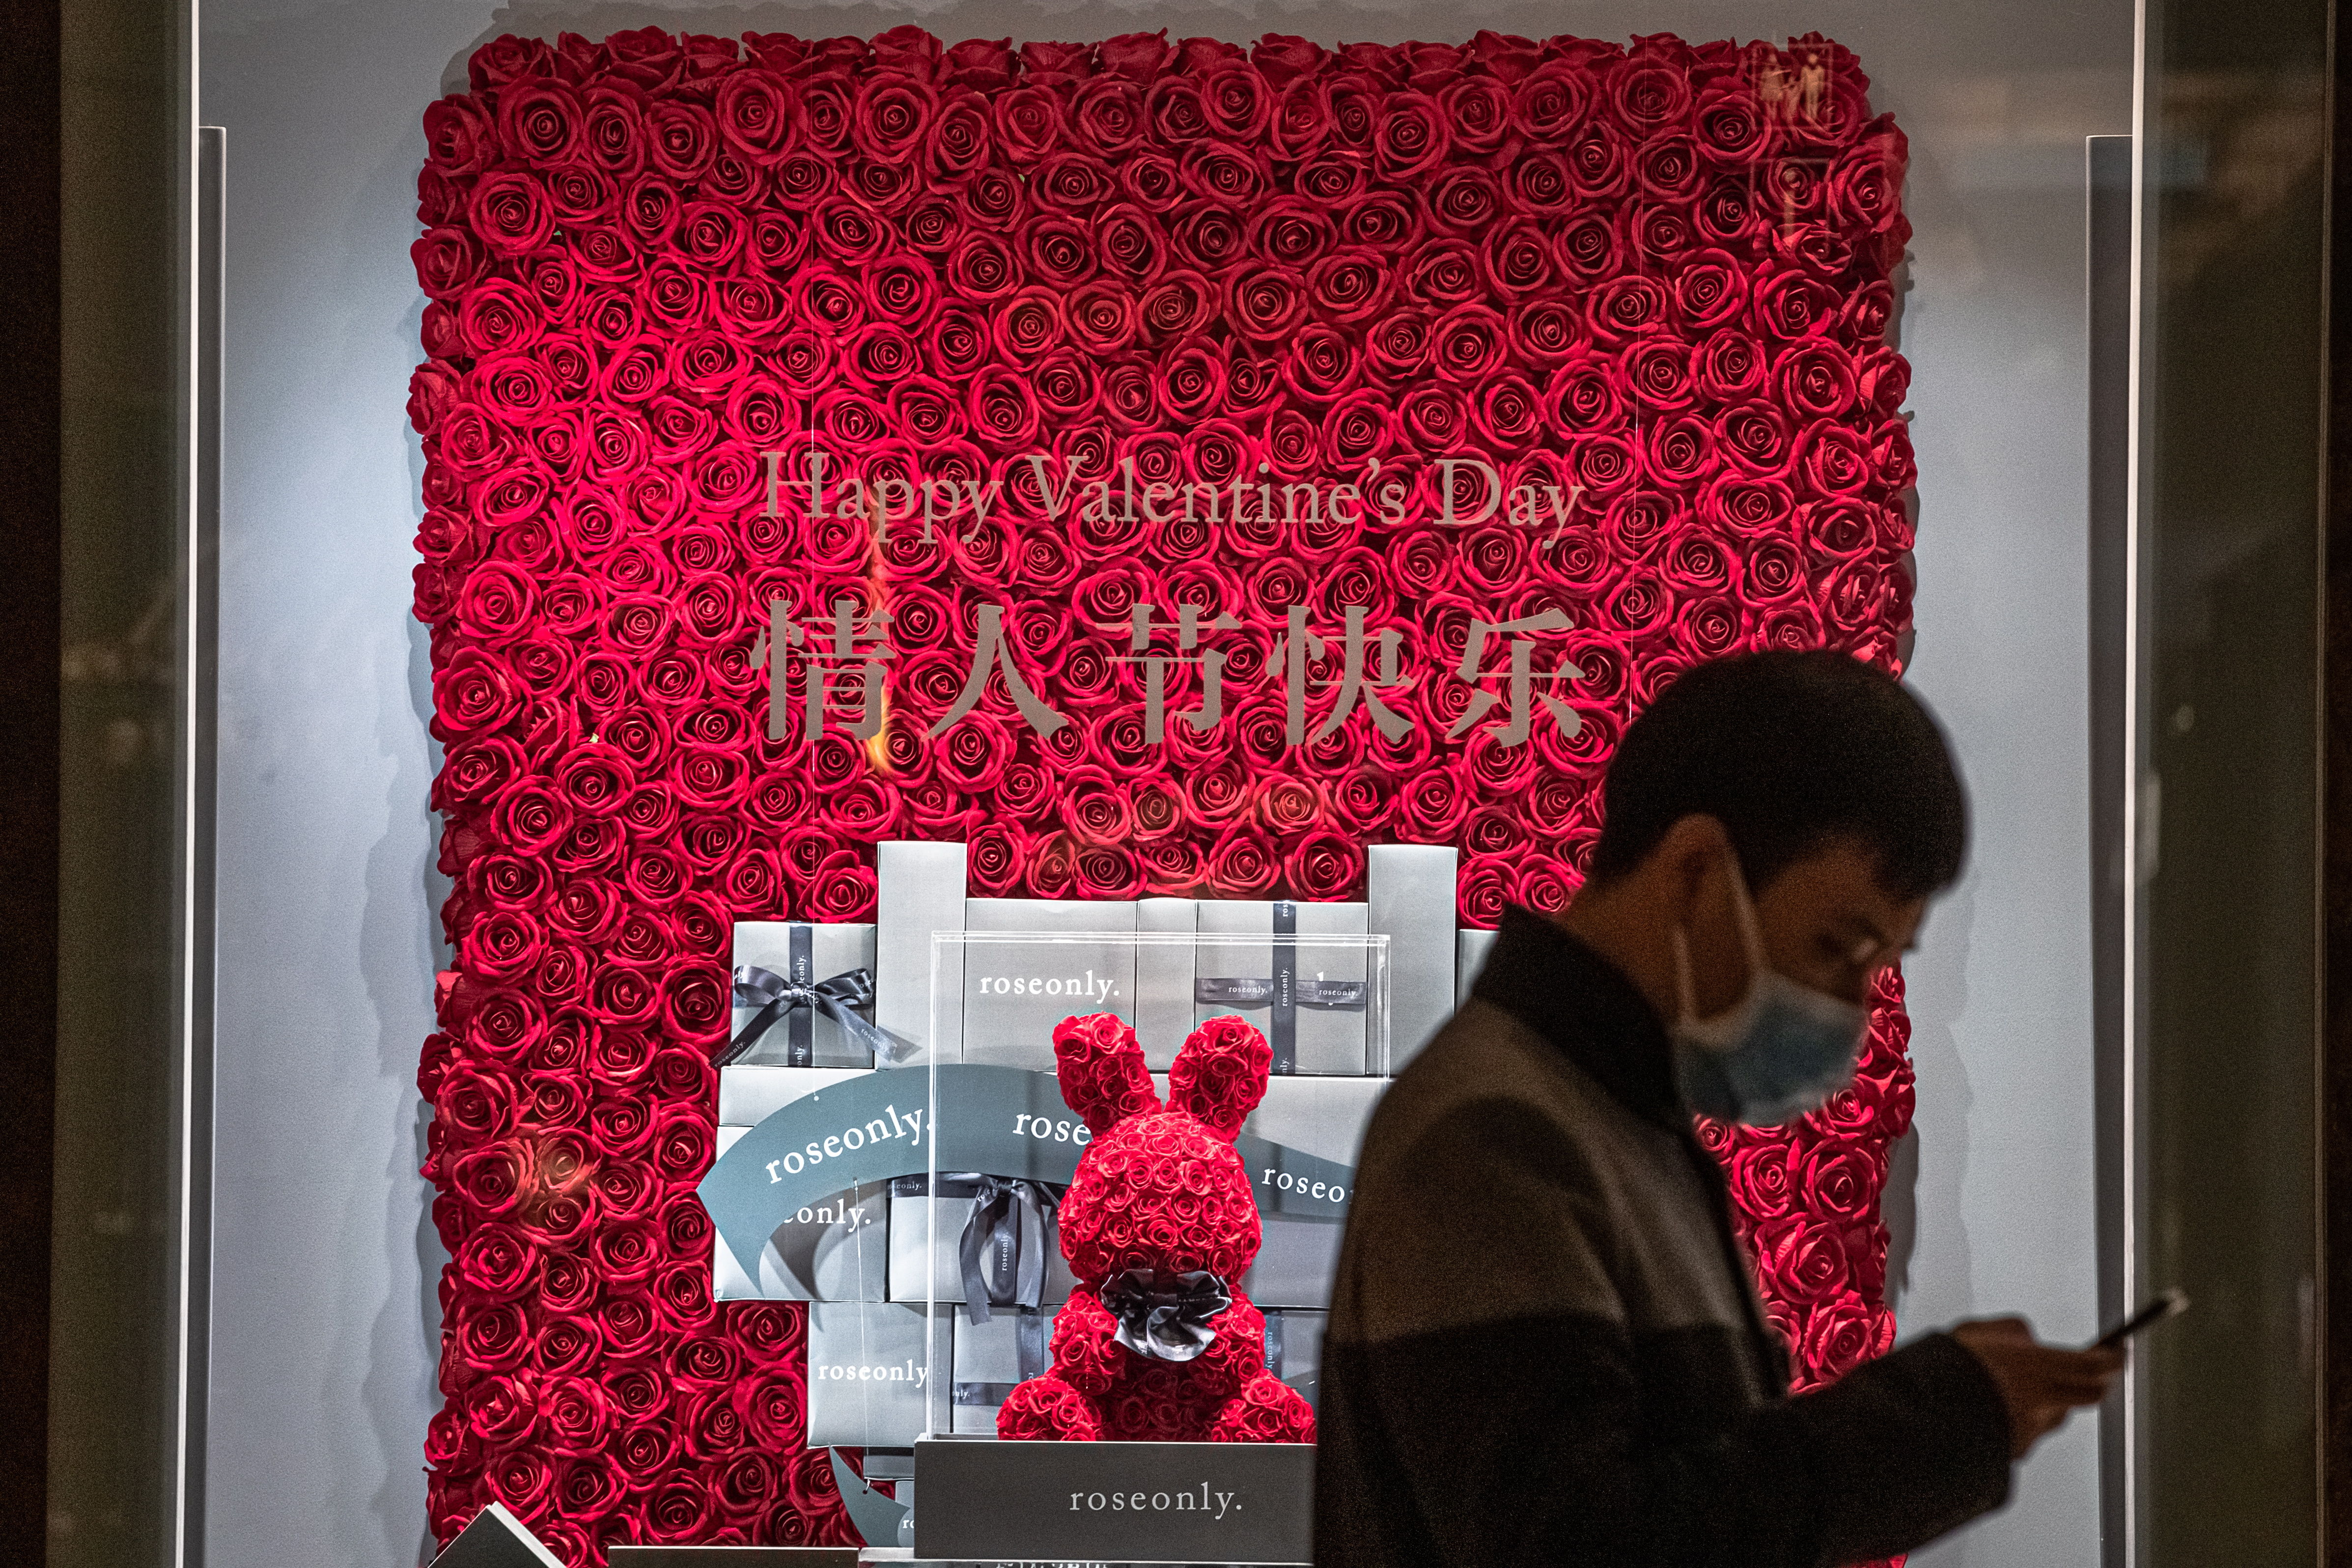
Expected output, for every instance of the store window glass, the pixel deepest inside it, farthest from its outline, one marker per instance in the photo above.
(791, 583)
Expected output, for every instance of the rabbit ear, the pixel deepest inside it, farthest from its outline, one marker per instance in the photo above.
(1102, 1072)
(1220, 1075)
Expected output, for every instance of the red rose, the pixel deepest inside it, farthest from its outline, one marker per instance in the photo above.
(1805, 1261)
(1764, 1180)
(496, 1260)
(1280, 57)
(492, 1338)
(695, 999)
(1749, 508)
(509, 213)
(981, 64)
(446, 259)
(1843, 1332)
(1841, 1180)
(1138, 57)
(1241, 866)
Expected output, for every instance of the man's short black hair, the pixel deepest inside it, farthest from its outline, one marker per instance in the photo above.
(1789, 750)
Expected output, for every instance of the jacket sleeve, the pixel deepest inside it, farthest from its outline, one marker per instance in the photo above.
(1531, 1425)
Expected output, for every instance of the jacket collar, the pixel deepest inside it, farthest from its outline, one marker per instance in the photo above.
(1584, 1005)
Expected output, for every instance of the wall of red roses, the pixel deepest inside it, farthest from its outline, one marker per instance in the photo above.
(1430, 728)
(1649, 285)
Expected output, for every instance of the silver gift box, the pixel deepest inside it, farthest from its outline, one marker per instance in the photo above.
(835, 1250)
(869, 1366)
(1016, 992)
(1294, 1349)
(1324, 1040)
(1325, 1117)
(748, 1095)
(833, 949)
(910, 1235)
(918, 889)
(990, 1360)
(1409, 897)
(1472, 946)
(1163, 978)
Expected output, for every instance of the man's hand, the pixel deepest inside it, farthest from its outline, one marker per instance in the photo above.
(2039, 1384)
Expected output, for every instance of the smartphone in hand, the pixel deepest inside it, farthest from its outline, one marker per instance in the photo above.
(2165, 1304)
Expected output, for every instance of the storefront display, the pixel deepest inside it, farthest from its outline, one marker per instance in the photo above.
(961, 578)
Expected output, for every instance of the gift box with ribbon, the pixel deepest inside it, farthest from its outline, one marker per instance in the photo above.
(836, 1249)
(869, 1370)
(1308, 999)
(804, 996)
(995, 1247)
(993, 1357)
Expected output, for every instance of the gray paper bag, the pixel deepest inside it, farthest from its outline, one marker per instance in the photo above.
(1472, 946)
(1325, 1117)
(1163, 979)
(992, 1358)
(1294, 1349)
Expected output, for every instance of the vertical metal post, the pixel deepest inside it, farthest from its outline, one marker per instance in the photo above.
(2108, 284)
(201, 568)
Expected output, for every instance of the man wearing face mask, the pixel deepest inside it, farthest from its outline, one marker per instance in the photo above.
(1545, 1346)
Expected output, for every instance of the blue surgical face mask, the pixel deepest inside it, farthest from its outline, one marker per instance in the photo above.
(1780, 1051)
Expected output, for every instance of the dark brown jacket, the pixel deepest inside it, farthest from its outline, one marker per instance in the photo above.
(1544, 1345)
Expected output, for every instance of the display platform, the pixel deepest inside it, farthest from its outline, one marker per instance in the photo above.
(1107, 1502)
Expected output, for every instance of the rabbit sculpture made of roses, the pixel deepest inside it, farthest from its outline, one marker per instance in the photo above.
(1157, 1344)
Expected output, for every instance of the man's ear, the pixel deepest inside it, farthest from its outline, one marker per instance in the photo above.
(1689, 855)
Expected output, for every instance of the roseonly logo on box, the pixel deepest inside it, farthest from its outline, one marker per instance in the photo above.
(893, 1124)
(997, 1501)
(1086, 989)
(841, 1212)
(1332, 1193)
(908, 1370)
(1182, 1501)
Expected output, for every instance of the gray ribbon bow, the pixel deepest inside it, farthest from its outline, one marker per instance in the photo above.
(1165, 1316)
(1001, 1250)
(837, 998)
(1008, 1230)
